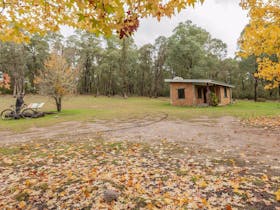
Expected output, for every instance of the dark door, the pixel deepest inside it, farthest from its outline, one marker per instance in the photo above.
(204, 95)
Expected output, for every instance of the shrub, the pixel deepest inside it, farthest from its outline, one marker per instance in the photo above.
(261, 100)
(5, 91)
(213, 99)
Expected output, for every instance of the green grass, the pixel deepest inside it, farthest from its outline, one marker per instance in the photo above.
(90, 108)
(9, 150)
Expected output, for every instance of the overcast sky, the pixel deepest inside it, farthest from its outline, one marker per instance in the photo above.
(224, 19)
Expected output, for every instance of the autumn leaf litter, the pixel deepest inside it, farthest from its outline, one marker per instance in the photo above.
(80, 175)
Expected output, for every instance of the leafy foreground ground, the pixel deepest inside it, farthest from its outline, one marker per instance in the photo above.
(54, 175)
(266, 122)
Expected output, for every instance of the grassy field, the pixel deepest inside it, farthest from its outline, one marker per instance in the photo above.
(89, 108)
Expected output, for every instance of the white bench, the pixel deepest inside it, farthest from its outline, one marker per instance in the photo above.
(36, 105)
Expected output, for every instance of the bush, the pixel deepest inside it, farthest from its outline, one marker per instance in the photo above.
(5, 91)
(261, 100)
(214, 101)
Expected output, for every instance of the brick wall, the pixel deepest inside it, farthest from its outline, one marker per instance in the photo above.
(189, 94)
(225, 100)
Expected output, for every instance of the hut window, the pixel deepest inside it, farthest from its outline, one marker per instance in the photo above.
(181, 93)
(199, 92)
(225, 92)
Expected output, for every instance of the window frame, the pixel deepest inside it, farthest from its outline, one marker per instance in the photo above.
(183, 94)
(225, 92)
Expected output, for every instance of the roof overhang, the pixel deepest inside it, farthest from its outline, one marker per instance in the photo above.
(199, 81)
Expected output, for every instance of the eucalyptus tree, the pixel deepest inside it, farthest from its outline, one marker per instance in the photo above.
(145, 73)
(13, 61)
(110, 65)
(37, 53)
(56, 42)
(193, 53)
(186, 49)
(72, 48)
(127, 63)
(217, 48)
(249, 66)
(90, 52)
(160, 51)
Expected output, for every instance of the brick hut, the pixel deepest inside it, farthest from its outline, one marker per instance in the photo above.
(193, 92)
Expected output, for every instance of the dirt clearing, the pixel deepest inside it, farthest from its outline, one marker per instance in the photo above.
(226, 135)
(151, 162)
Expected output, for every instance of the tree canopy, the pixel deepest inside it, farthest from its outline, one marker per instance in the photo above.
(261, 38)
(110, 66)
(19, 19)
(57, 79)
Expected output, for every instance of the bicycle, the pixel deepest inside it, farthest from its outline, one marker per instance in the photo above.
(9, 114)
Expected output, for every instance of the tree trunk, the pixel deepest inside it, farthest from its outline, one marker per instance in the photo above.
(156, 79)
(15, 89)
(142, 84)
(58, 103)
(123, 68)
(256, 82)
(243, 85)
(155, 89)
(33, 72)
(158, 82)
(256, 89)
(97, 86)
(18, 86)
(110, 82)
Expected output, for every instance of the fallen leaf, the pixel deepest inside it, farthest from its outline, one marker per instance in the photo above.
(22, 204)
(264, 178)
(277, 194)
(228, 207)
(7, 161)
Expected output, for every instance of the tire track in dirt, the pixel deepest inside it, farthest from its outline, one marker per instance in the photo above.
(164, 117)
(66, 130)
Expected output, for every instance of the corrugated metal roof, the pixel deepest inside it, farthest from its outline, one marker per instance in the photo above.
(197, 81)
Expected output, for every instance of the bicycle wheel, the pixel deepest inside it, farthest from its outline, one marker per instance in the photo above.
(27, 113)
(7, 114)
